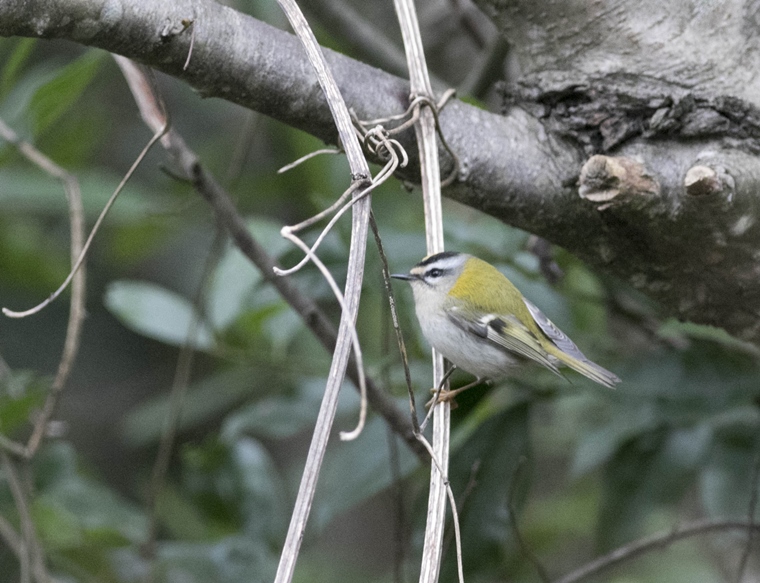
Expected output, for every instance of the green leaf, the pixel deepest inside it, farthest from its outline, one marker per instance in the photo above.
(15, 63)
(59, 94)
(353, 471)
(233, 283)
(485, 465)
(649, 472)
(180, 517)
(205, 400)
(672, 328)
(264, 504)
(727, 480)
(102, 516)
(230, 560)
(281, 416)
(158, 313)
(21, 392)
(59, 527)
(25, 191)
(73, 512)
(55, 462)
(236, 278)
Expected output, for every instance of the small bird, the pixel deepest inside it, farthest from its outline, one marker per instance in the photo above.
(480, 322)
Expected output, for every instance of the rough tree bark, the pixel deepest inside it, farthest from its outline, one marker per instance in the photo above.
(629, 136)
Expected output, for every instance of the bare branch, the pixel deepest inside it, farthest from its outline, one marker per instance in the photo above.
(83, 254)
(78, 287)
(227, 215)
(30, 552)
(359, 229)
(660, 540)
(363, 37)
(425, 131)
(11, 538)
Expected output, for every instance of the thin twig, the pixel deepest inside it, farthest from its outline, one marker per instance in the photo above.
(437, 394)
(19, 499)
(369, 128)
(78, 288)
(11, 538)
(359, 227)
(656, 541)
(101, 217)
(31, 558)
(339, 206)
(15, 448)
(306, 157)
(431, 191)
(396, 159)
(344, 435)
(363, 36)
(395, 321)
(463, 497)
(452, 502)
(400, 535)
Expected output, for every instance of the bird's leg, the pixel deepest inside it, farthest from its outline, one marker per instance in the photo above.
(444, 396)
(437, 391)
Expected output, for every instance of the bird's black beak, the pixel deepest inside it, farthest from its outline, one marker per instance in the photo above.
(404, 276)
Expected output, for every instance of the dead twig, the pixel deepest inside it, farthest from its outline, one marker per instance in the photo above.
(368, 129)
(220, 201)
(31, 559)
(656, 541)
(425, 131)
(78, 286)
(80, 259)
(359, 229)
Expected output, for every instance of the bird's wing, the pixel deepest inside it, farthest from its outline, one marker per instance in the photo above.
(504, 331)
(578, 360)
(557, 336)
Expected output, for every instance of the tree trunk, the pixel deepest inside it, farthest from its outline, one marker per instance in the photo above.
(628, 137)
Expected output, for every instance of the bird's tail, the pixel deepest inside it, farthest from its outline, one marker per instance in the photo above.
(568, 353)
(590, 370)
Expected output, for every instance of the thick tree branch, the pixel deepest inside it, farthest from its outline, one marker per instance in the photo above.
(689, 239)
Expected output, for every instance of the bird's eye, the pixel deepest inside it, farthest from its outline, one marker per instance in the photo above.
(435, 272)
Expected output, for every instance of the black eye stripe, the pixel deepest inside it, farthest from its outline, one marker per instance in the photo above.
(434, 272)
(437, 257)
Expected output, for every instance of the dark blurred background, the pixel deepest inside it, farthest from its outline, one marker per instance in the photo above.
(580, 469)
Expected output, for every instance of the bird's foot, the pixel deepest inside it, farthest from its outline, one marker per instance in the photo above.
(444, 396)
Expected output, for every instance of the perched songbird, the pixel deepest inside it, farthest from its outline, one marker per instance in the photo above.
(476, 318)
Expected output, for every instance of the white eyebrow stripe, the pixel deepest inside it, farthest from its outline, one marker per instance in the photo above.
(444, 263)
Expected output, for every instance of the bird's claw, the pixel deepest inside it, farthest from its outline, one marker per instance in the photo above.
(442, 396)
